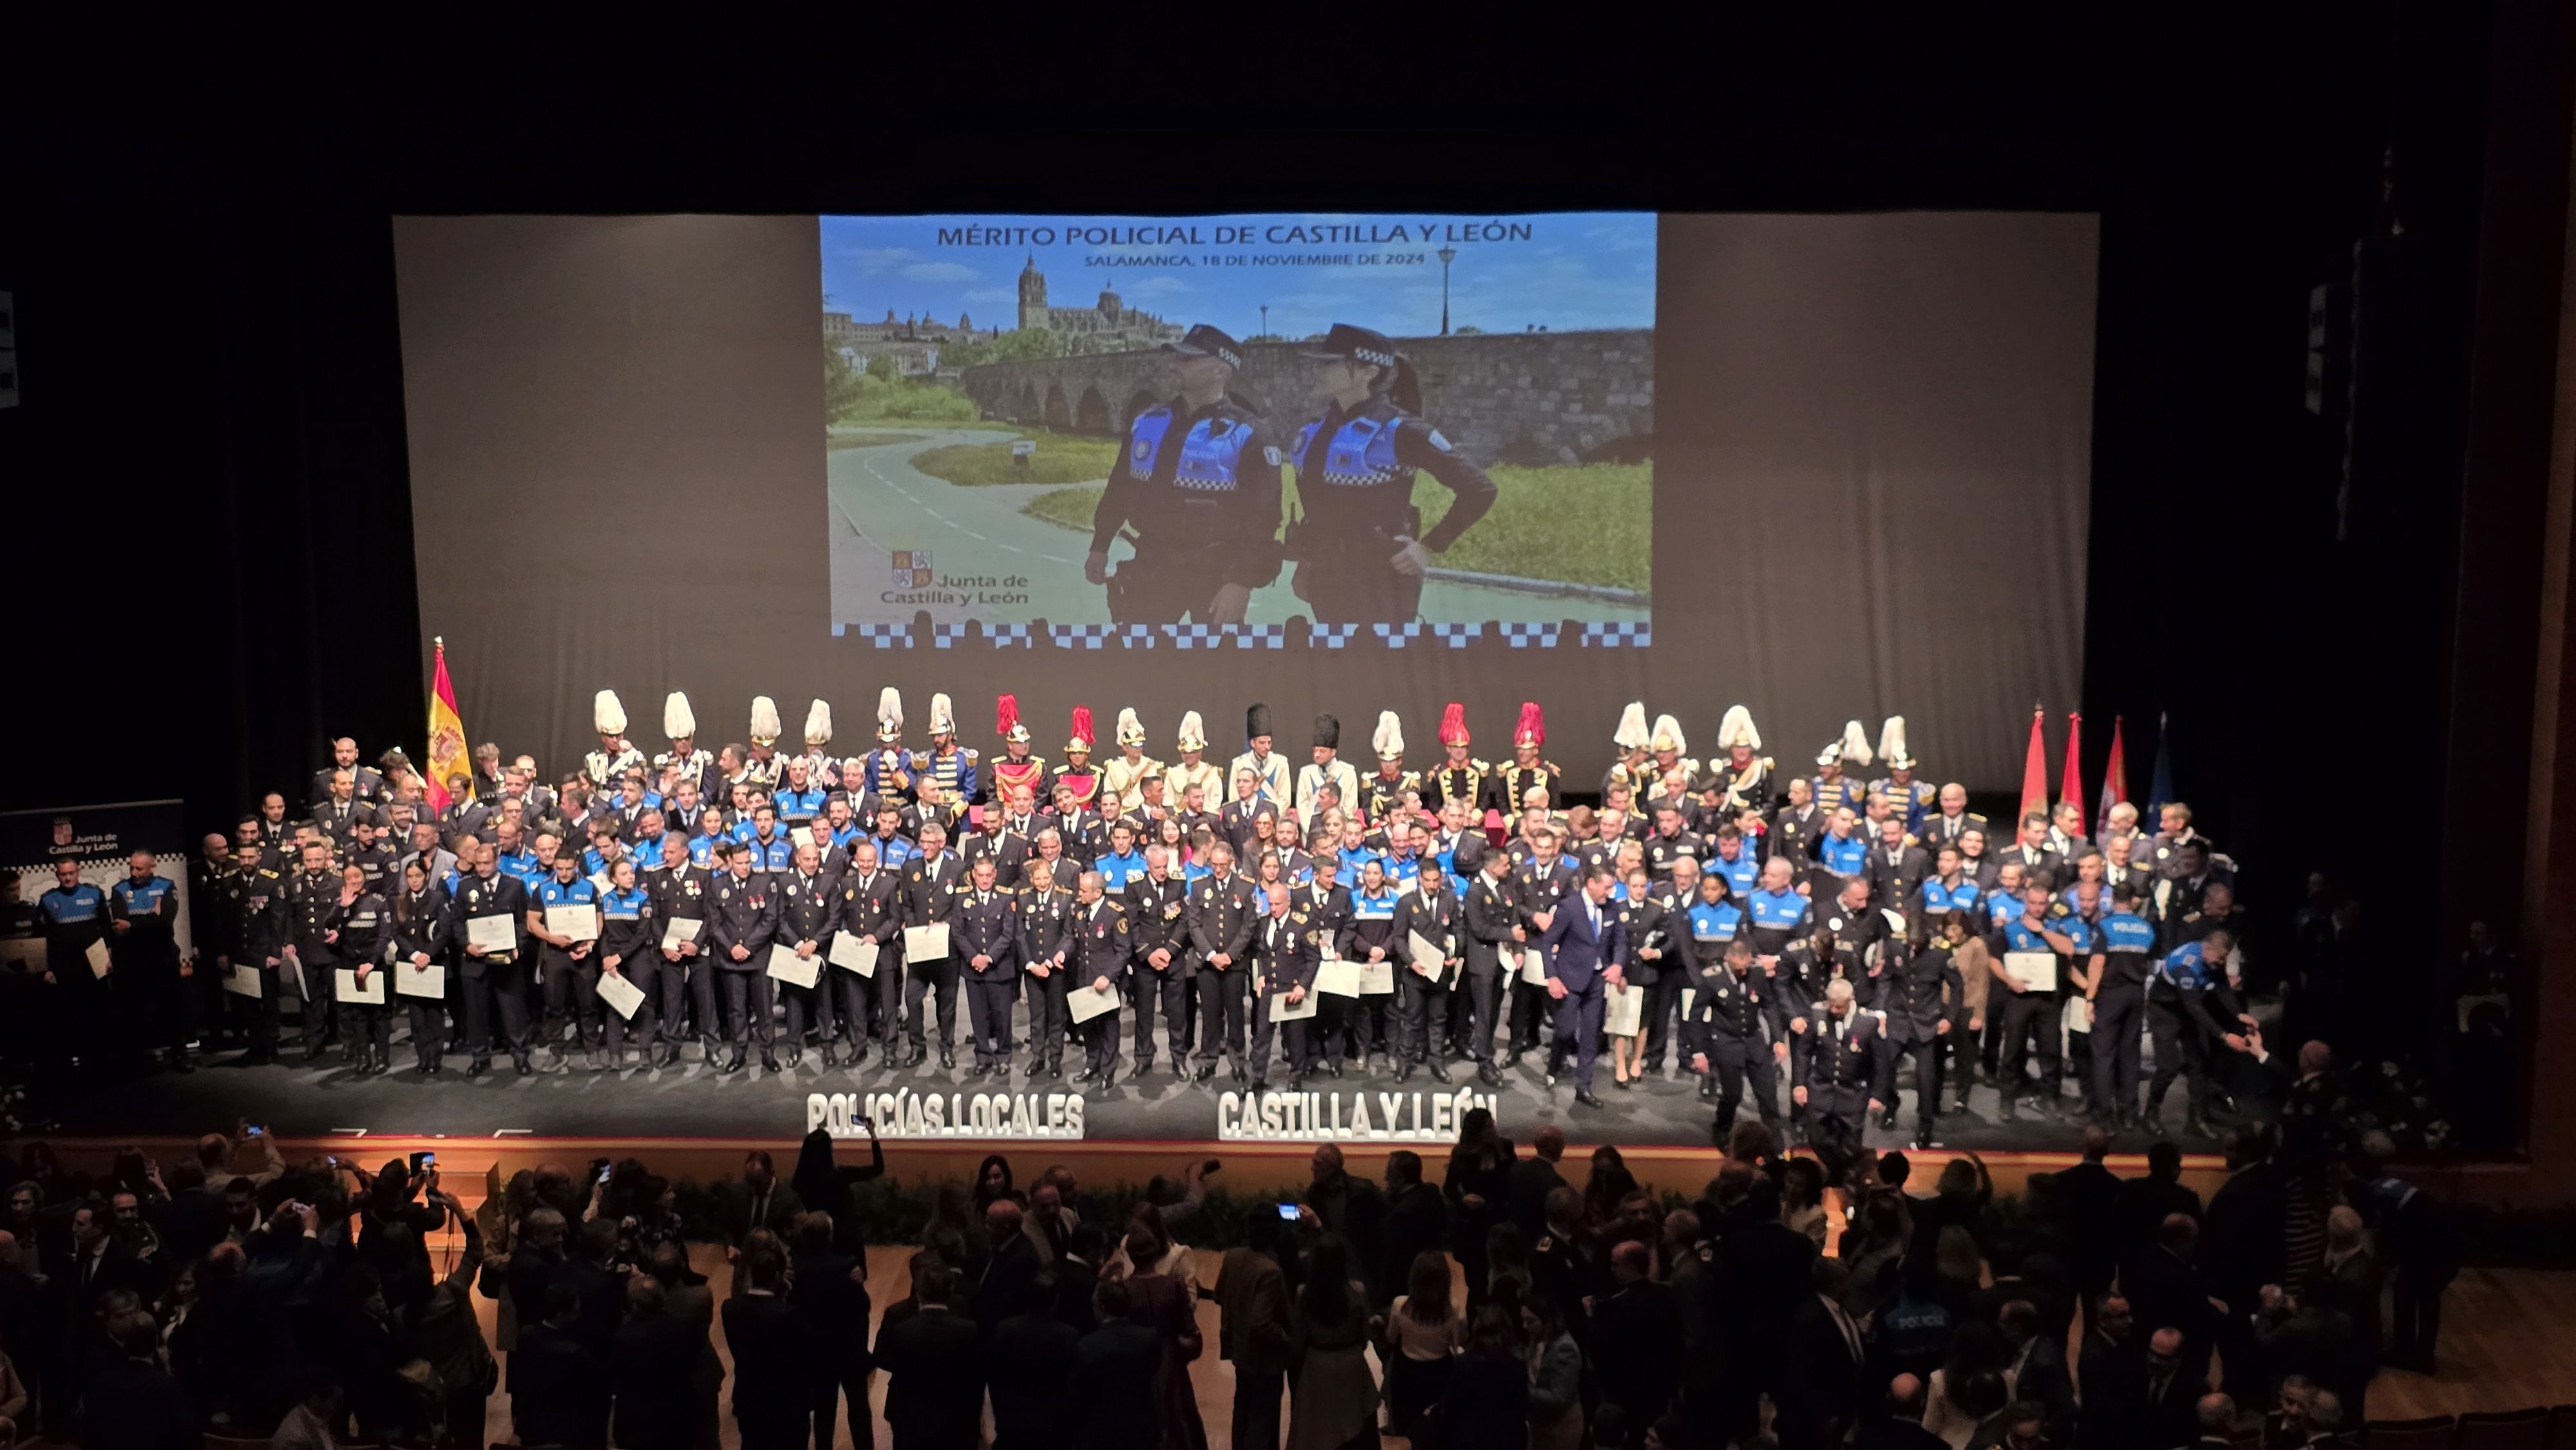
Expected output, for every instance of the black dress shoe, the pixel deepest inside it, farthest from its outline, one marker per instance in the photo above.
(1551, 1081)
(525, 1067)
(768, 1063)
(1585, 1097)
(947, 1057)
(1083, 1076)
(1260, 1086)
(1055, 1070)
(732, 1065)
(1439, 1072)
(1489, 1075)
(477, 1069)
(1335, 1068)
(1109, 1079)
(1404, 1073)
(795, 1058)
(1207, 1072)
(1887, 1119)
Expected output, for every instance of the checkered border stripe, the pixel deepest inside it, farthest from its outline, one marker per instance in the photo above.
(1331, 636)
(1531, 635)
(883, 636)
(1458, 636)
(1097, 636)
(1396, 636)
(997, 636)
(1613, 633)
(1217, 636)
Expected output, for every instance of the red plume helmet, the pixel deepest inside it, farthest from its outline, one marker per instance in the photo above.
(1006, 714)
(1082, 725)
(1532, 729)
(1453, 724)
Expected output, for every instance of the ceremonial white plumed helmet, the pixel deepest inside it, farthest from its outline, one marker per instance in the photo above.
(889, 714)
(1737, 729)
(1193, 734)
(679, 722)
(1131, 731)
(1851, 750)
(606, 715)
(1388, 737)
(818, 723)
(1668, 736)
(943, 719)
(1891, 744)
(765, 728)
(1631, 734)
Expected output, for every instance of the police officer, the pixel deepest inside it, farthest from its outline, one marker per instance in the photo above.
(1912, 800)
(2185, 1032)
(1834, 1062)
(142, 919)
(74, 916)
(1540, 886)
(366, 783)
(366, 1028)
(1221, 915)
(314, 897)
(1428, 909)
(1157, 905)
(742, 920)
(1042, 931)
(686, 975)
(2033, 1012)
(1920, 995)
(872, 913)
(255, 908)
(932, 884)
(494, 977)
(563, 915)
(627, 938)
(981, 938)
(1357, 1026)
(1098, 946)
(418, 930)
(1361, 548)
(2118, 993)
(808, 905)
(1282, 946)
(1199, 483)
(1736, 1029)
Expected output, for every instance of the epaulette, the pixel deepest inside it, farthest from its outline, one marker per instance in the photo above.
(968, 752)
(1550, 767)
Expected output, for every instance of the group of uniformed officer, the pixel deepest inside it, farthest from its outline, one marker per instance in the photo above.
(1823, 924)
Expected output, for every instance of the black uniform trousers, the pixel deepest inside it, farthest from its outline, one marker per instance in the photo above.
(922, 979)
(1925, 1055)
(2180, 1048)
(1222, 991)
(501, 991)
(989, 995)
(749, 998)
(316, 983)
(570, 986)
(366, 1024)
(1099, 1039)
(1296, 1046)
(2119, 1015)
(1733, 1060)
(644, 972)
(1048, 1018)
(2027, 1015)
(1663, 1009)
(1422, 1015)
(849, 998)
(1530, 1007)
(1486, 992)
(1170, 987)
(428, 1017)
(1354, 1027)
(807, 1006)
(884, 999)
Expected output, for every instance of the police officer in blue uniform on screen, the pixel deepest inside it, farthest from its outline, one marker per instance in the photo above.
(1199, 483)
(1361, 548)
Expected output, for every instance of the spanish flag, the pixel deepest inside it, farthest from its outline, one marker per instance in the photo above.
(447, 751)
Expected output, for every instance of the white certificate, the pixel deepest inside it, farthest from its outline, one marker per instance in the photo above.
(1624, 1013)
(2034, 971)
(786, 966)
(242, 981)
(1689, 995)
(1283, 1010)
(372, 994)
(492, 933)
(2078, 1015)
(621, 995)
(413, 980)
(97, 953)
(1423, 953)
(1342, 979)
(1377, 979)
(581, 923)
(1085, 1003)
(851, 951)
(679, 931)
(1534, 967)
(801, 835)
(925, 943)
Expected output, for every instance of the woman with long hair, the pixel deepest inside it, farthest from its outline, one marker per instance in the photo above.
(1802, 1200)
(420, 932)
(825, 1186)
(1332, 1397)
(1609, 1183)
(1417, 1339)
(992, 1181)
(1170, 1305)
(1478, 1186)
(1556, 1377)
(1361, 548)
(1489, 1387)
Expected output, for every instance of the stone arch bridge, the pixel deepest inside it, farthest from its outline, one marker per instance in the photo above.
(1528, 398)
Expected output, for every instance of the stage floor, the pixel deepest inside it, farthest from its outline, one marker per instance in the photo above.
(691, 1100)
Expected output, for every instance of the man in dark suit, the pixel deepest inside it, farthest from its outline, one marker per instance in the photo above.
(2348, 1280)
(1113, 1374)
(1533, 1179)
(98, 1264)
(2217, 1415)
(2169, 1392)
(1833, 1064)
(2241, 1233)
(2042, 1377)
(2311, 1338)
(1586, 949)
(1009, 1284)
(652, 1371)
(1417, 1221)
(1254, 1331)
(135, 1404)
(1032, 1357)
(1901, 1428)
(2091, 1191)
(1820, 1390)
(757, 1200)
(558, 1386)
(1763, 1278)
(1637, 1337)
(829, 1292)
(776, 1361)
(2112, 1375)
(537, 1264)
(2167, 1291)
(2144, 1203)
(934, 1377)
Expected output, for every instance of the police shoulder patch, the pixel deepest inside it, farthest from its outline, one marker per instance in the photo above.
(1439, 442)
(1270, 455)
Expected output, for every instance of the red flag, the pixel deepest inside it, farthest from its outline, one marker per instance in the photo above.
(446, 755)
(2034, 770)
(2070, 787)
(2115, 777)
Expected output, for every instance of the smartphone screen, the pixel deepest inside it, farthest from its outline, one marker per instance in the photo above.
(1288, 1211)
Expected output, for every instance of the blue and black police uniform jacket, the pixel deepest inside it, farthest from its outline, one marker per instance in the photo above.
(2128, 944)
(149, 909)
(1939, 898)
(1711, 925)
(548, 894)
(1776, 919)
(1201, 488)
(626, 925)
(2184, 980)
(72, 919)
(1355, 482)
(1844, 856)
(1741, 874)
(2020, 936)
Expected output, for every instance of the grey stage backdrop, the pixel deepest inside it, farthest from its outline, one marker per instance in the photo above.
(1871, 485)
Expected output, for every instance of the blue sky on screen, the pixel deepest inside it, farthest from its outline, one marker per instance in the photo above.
(1562, 271)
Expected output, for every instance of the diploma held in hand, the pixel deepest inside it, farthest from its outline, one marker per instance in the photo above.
(1625, 1014)
(242, 981)
(786, 966)
(1340, 978)
(1534, 967)
(925, 943)
(680, 931)
(97, 953)
(492, 933)
(2033, 971)
(622, 995)
(372, 994)
(1085, 1003)
(851, 952)
(1283, 1010)
(414, 980)
(1376, 979)
(581, 923)
(1424, 954)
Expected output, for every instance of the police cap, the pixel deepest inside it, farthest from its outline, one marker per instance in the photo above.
(1356, 344)
(1205, 341)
